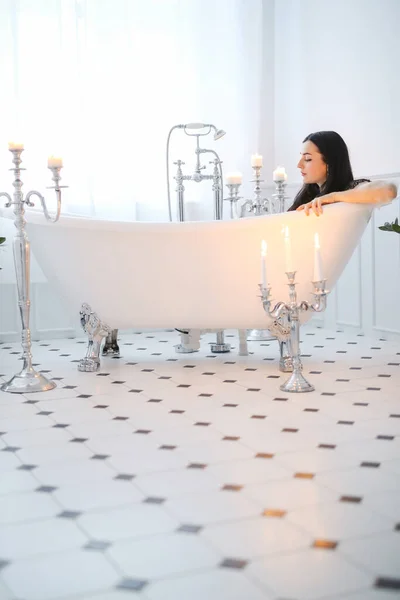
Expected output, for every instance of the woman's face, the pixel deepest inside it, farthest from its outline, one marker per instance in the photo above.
(311, 164)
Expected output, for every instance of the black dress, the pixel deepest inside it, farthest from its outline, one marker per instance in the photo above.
(351, 186)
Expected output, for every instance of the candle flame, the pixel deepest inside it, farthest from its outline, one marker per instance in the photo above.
(263, 248)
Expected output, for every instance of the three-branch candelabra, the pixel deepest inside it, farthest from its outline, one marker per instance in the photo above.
(289, 313)
(27, 380)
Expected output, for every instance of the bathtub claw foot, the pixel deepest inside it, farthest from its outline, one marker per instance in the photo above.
(182, 349)
(96, 331)
(88, 365)
(190, 341)
(111, 347)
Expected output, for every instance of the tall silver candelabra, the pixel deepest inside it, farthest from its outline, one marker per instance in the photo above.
(27, 380)
(233, 198)
(279, 197)
(290, 313)
(258, 206)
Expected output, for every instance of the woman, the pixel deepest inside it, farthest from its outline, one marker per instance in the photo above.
(328, 177)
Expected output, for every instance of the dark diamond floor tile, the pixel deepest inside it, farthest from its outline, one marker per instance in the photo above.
(60, 425)
(233, 563)
(118, 382)
(189, 528)
(143, 431)
(205, 395)
(124, 477)
(229, 405)
(264, 455)
(352, 499)
(84, 396)
(155, 400)
(167, 447)
(11, 449)
(202, 424)
(278, 399)
(177, 412)
(154, 500)
(99, 545)
(253, 389)
(79, 440)
(387, 583)
(3, 563)
(27, 467)
(133, 585)
(289, 430)
(69, 514)
(136, 391)
(46, 489)
(327, 446)
(100, 456)
(101, 406)
(44, 413)
(388, 438)
(373, 465)
(325, 544)
(258, 416)
(230, 487)
(120, 418)
(196, 466)
(274, 512)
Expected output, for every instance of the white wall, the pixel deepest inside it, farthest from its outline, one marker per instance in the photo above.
(336, 67)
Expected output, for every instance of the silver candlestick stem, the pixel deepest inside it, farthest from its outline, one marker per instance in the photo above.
(290, 313)
(258, 206)
(279, 197)
(27, 380)
(233, 198)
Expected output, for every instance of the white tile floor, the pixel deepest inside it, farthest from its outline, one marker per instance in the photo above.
(188, 477)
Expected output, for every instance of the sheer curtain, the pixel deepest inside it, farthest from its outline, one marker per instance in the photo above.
(101, 82)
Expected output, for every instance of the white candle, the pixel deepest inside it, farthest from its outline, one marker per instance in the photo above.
(15, 146)
(234, 178)
(288, 252)
(256, 160)
(318, 276)
(279, 174)
(54, 161)
(264, 263)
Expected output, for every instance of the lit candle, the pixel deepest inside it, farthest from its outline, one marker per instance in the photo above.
(318, 276)
(234, 178)
(256, 160)
(54, 161)
(279, 174)
(264, 263)
(15, 146)
(288, 251)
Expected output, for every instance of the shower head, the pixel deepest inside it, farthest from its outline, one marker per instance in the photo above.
(219, 133)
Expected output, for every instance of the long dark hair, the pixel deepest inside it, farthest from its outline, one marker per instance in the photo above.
(339, 173)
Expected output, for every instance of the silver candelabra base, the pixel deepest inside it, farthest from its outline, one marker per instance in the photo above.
(288, 315)
(27, 380)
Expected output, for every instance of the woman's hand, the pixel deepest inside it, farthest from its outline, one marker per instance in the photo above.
(317, 203)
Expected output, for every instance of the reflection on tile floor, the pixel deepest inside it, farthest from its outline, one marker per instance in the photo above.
(183, 477)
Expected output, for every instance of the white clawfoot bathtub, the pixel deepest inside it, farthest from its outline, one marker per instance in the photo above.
(191, 275)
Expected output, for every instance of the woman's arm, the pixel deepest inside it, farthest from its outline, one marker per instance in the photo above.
(374, 192)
